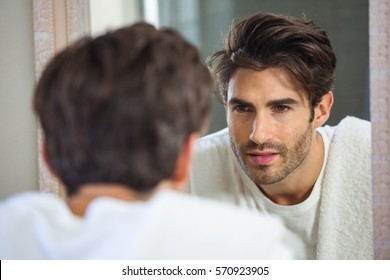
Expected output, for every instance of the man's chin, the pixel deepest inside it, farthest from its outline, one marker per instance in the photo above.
(261, 175)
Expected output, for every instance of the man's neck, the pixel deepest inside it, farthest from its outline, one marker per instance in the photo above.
(298, 186)
(79, 202)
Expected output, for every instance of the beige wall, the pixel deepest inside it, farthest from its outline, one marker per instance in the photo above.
(18, 138)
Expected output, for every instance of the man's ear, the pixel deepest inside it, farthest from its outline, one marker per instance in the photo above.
(183, 162)
(46, 159)
(322, 110)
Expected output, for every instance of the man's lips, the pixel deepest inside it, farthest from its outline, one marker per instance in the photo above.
(263, 158)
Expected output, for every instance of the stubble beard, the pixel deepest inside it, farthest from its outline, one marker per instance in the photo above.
(289, 159)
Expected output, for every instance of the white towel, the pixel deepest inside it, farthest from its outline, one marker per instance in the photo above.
(346, 216)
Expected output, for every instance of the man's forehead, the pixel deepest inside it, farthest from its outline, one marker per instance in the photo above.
(289, 87)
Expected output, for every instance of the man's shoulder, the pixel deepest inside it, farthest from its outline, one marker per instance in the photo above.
(346, 204)
(213, 147)
(355, 124)
(214, 168)
(351, 123)
(204, 210)
(217, 227)
(349, 155)
(214, 140)
(355, 130)
(24, 218)
(24, 208)
(26, 201)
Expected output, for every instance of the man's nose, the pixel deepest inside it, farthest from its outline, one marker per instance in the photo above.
(261, 130)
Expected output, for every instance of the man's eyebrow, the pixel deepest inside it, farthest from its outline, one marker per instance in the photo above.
(284, 101)
(235, 101)
(277, 102)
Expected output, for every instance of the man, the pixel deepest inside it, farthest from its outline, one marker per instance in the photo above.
(275, 77)
(120, 114)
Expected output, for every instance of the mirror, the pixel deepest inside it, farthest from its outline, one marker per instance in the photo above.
(345, 20)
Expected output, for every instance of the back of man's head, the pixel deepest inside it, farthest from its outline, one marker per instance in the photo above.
(118, 108)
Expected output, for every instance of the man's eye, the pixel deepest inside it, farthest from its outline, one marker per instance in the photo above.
(281, 109)
(242, 108)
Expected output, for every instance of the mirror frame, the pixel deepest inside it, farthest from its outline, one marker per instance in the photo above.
(379, 69)
(57, 23)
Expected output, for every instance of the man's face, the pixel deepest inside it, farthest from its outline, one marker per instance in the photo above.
(268, 118)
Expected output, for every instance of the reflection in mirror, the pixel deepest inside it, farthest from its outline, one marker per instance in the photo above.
(346, 21)
(205, 23)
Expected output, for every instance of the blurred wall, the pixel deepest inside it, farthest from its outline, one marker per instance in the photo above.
(18, 137)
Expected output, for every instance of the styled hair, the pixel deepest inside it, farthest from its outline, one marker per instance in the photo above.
(118, 108)
(267, 40)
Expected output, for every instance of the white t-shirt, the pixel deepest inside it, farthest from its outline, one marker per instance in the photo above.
(170, 225)
(227, 181)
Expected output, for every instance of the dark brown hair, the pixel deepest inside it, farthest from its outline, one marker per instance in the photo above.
(267, 40)
(118, 108)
